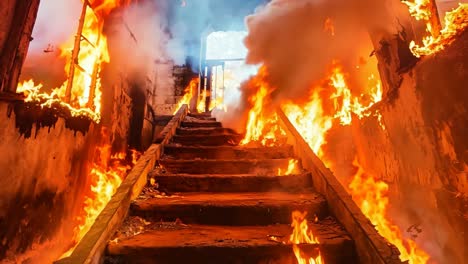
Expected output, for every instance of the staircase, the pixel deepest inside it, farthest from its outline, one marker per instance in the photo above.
(212, 201)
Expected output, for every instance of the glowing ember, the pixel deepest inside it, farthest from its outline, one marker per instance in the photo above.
(302, 235)
(84, 98)
(192, 86)
(371, 196)
(455, 23)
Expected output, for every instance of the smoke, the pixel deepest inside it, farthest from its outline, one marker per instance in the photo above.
(138, 37)
(298, 40)
(54, 26)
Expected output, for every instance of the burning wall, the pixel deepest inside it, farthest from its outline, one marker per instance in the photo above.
(422, 152)
(411, 140)
(42, 178)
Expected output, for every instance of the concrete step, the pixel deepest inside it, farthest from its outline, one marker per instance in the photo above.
(170, 183)
(230, 208)
(173, 243)
(208, 140)
(224, 152)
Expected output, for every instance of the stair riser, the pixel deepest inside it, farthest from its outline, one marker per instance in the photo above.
(228, 153)
(186, 183)
(201, 124)
(231, 215)
(278, 254)
(224, 166)
(199, 132)
(208, 140)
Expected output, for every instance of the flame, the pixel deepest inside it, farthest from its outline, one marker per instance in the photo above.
(93, 52)
(372, 197)
(214, 103)
(262, 125)
(302, 235)
(201, 105)
(292, 168)
(106, 175)
(345, 104)
(455, 23)
(314, 130)
(192, 86)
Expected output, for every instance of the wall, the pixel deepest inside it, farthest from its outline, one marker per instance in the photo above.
(40, 178)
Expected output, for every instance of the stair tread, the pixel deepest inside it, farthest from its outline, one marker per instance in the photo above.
(175, 242)
(232, 199)
(234, 175)
(243, 148)
(227, 166)
(203, 130)
(231, 182)
(161, 235)
(226, 152)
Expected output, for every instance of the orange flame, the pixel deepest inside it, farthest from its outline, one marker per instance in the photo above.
(202, 102)
(345, 104)
(371, 196)
(93, 52)
(106, 175)
(455, 23)
(302, 235)
(262, 125)
(188, 93)
(314, 130)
